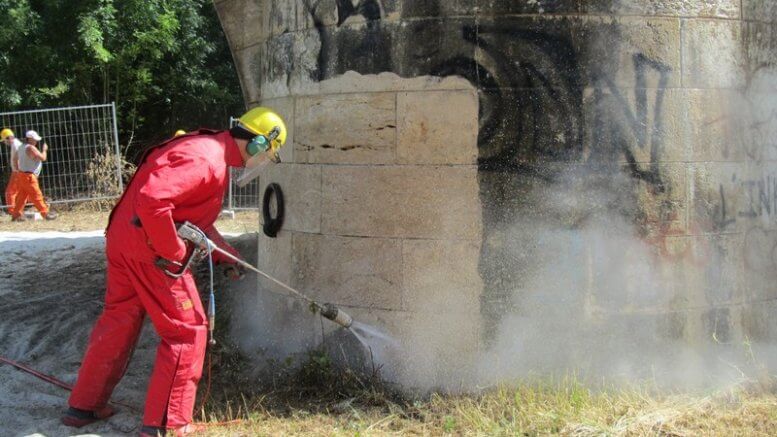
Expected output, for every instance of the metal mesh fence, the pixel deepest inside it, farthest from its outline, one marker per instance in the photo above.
(83, 156)
(246, 198)
(239, 199)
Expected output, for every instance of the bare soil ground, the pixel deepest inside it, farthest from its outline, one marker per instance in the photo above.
(51, 293)
(50, 296)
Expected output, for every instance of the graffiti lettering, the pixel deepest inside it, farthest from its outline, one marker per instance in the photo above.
(532, 82)
(760, 200)
(721, 215)
(638, 121)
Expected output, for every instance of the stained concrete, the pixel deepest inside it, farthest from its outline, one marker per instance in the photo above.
(464, 148)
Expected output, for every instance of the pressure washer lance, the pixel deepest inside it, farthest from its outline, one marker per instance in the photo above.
(190, 232)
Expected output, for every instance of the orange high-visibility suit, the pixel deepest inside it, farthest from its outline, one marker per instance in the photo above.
(27, 188)
(11, 191)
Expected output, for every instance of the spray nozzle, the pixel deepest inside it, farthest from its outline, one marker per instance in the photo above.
(336, 315)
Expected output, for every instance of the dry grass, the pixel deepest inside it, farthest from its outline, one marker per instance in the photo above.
(559, 409)
(319, 399)
(92, 217)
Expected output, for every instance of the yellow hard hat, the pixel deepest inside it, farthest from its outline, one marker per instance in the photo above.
(180, 132)
(5, 133)
(264, 121)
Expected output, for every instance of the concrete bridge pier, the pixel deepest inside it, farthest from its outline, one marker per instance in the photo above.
(547, 184)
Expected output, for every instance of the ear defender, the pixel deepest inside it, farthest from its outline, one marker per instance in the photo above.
(257, 145)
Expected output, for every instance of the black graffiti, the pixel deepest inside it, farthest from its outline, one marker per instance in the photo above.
(530, 81)
(369, 9)
(636, 121)
(519, 128)
(361, 50)
(721, 214)
(761, 195)
(531, 76)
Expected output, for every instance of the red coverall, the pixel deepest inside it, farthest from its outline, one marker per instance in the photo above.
(182, 179)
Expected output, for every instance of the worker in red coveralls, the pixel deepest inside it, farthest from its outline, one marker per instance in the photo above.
(183, 179)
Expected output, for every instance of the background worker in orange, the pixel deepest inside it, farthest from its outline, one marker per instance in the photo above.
(11, 190)
(30, 159)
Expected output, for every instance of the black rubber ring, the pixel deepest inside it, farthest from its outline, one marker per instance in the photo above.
(272, 225)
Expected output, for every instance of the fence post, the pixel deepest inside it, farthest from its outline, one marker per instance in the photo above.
(118, 152)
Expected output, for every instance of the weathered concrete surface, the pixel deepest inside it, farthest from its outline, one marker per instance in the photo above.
(713, 55)
(368, 135)
(483, 157)
(348, 271)
(401, 202)
(441, 276)
(429, 135)
(759, 10)
(681, 8)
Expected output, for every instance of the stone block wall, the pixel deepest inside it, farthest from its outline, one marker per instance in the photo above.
(446, 156)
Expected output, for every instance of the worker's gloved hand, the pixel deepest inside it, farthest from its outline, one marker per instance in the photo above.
(234, 272)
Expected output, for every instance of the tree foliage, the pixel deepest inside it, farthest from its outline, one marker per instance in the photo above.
(166, 63)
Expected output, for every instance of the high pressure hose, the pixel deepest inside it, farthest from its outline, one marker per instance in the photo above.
(209, 245)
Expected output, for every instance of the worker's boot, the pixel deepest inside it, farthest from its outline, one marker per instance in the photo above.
(51, 215)
(77, 418)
